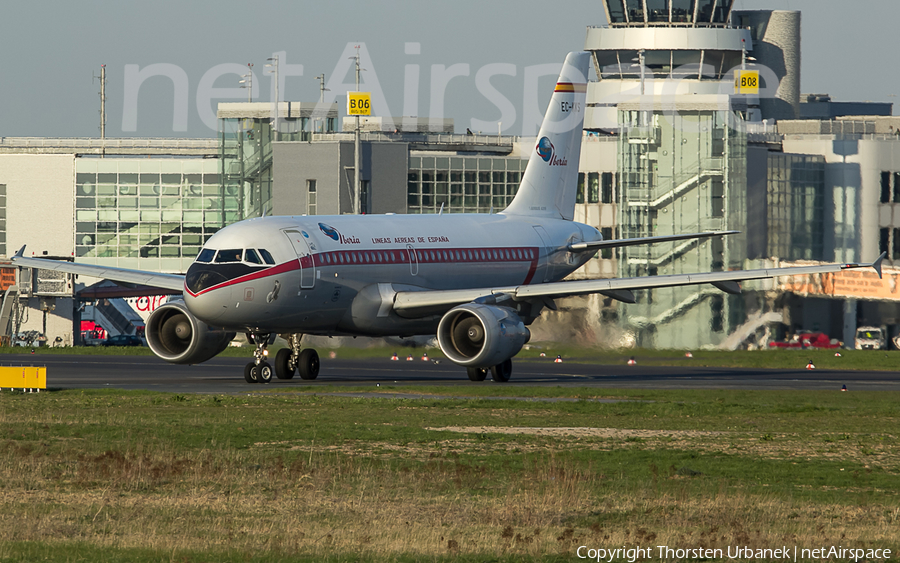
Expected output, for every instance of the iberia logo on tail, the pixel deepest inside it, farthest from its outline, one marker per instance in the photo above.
(547, 152)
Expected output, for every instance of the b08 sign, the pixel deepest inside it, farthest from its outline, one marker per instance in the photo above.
(746, 82)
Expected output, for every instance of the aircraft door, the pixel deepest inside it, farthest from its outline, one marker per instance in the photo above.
(545, 242)
(413, 260)
(304, 255)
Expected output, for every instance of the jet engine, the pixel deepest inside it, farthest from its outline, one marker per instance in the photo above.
(177, 336)
(481, 336)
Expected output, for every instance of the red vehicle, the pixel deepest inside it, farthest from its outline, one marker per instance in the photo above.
(808, 340)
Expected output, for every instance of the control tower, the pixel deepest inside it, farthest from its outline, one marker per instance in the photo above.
(665, 75)
(661, 48)
(666, 48)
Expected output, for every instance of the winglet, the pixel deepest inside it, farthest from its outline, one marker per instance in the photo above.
(877, 263)
(18, 254)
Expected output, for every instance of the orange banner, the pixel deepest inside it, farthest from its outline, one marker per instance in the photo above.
(858, 284)
(7, 278)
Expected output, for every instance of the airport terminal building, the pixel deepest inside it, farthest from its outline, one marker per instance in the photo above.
(670, 147)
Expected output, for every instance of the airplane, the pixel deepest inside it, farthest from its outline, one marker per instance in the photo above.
(475, 280)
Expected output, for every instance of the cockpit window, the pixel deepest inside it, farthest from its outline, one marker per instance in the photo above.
(266, 256)
(251, 256)
(229, 255)
(206, 255)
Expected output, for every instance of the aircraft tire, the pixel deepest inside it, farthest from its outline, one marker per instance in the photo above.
(251, 374)
(502, 372)
(477, 374)
(308, 364)
(265, 373)
(283, 369)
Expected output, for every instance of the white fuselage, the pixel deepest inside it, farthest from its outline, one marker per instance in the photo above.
(326, 268)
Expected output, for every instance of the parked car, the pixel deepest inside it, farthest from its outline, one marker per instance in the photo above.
(871, 338)
(806, 340)
(123, 340)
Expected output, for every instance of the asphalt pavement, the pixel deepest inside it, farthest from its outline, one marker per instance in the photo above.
(225, 375)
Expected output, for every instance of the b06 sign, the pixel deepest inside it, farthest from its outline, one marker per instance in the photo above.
(359, 103)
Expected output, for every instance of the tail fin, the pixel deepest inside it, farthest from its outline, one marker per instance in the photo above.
(550, 182)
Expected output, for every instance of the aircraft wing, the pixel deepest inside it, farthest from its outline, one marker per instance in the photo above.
(409, 303)
(594, 246)
(171, 282)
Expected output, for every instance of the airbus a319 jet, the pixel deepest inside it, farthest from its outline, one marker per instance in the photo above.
(475, 280)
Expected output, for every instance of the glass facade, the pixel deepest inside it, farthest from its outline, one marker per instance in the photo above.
(680, 172)
(246, 163)
(664, 64)
(796, 206)
(151, 214)
(462, 184)
(668, 12)
(245, 144)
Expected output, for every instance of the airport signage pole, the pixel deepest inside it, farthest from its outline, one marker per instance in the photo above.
(358, 103)
(357, 111)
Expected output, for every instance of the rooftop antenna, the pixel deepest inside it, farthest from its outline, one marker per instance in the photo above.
(102, 78)
(322, 89)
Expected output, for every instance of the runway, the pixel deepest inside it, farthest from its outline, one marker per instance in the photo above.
(225, 375)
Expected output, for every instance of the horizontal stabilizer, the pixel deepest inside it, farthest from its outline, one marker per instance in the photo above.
(623, 295)
(731, 287)
(593, 246)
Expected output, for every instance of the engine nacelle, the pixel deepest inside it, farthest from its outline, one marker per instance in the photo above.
(176, 336)
(481, 336)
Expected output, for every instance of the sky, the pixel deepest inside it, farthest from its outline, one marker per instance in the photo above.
(467, 59)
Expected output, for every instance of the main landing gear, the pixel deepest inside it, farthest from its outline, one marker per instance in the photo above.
(499, 373)
(287, 360)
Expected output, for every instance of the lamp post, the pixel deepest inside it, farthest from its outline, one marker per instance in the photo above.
(247, 81)
(273, 64)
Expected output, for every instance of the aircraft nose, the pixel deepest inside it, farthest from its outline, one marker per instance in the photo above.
(210, 305)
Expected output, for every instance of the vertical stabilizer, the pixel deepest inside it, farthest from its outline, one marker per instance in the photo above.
(551, 178)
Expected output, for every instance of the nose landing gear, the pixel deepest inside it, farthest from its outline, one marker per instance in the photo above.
(258, 371)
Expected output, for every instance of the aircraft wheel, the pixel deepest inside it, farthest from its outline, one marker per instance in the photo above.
(502, 372)
(265, 373)
(251, 373)
(308, 364)
(477, 374)
(283, 368)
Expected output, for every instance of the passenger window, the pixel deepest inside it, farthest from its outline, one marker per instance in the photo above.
(206, 255)
(251, 256)
(266, 256)
(228, 256)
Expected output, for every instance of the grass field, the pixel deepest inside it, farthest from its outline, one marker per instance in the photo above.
(139, 476)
